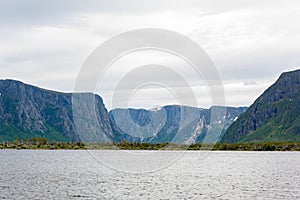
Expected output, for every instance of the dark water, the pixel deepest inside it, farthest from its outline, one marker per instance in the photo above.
(195, 175)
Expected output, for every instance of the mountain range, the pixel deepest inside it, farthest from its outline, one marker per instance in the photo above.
(176, 124)
(28, 111)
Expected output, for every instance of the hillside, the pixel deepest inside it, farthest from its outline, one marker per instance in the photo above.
(273, 117)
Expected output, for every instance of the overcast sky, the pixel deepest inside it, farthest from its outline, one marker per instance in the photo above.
(45, 43)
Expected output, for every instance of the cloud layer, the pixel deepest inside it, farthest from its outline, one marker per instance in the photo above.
(251, 42)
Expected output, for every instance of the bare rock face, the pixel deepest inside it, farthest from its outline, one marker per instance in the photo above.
(274, 116)
(27, 111)
(174, 123)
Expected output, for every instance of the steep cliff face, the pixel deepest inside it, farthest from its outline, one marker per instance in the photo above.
(176, 124)
(274, 116)
(27, 111)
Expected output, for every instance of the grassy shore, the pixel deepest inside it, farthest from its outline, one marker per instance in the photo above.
(42, 143)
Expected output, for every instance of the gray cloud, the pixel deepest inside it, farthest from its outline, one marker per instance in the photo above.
(45, 42)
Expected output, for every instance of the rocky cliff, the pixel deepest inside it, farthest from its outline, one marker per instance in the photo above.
(174, 123)
(27, 111)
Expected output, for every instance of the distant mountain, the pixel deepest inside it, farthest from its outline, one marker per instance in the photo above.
(174, 123)
(27, 111)
(274, 116)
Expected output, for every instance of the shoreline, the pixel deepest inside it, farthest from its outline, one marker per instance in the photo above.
(265, 146)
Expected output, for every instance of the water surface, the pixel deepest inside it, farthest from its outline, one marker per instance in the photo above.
(42, 174)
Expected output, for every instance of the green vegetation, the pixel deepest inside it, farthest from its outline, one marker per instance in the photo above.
(265, 146)
(273, 117)
(40, 143)
(43, 143)
(10, 133)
